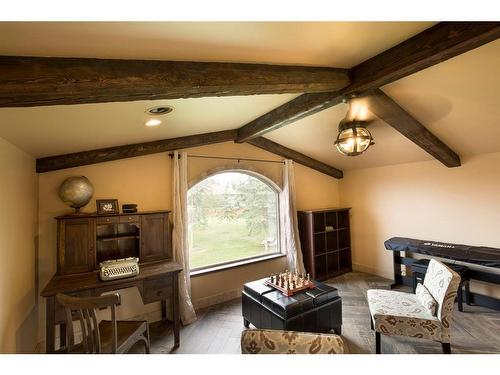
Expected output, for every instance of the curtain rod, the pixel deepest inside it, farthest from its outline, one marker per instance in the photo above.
(227, 158)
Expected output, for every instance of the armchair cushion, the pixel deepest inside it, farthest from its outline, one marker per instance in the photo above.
(263, 341)
(426, 299)
(402, 314)
(442, 282)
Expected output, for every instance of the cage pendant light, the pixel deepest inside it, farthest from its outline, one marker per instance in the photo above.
(353, 138)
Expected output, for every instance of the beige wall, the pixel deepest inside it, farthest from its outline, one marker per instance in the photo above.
(18, 205)
(423, 200)
(147, 181)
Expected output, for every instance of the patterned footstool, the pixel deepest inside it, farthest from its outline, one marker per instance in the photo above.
(262, 341)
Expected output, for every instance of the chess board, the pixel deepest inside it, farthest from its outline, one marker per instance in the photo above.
(289, 283)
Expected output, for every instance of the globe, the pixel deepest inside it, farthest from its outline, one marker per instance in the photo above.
(76, 192)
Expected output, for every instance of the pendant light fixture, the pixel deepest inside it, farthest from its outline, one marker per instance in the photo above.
(353, 138)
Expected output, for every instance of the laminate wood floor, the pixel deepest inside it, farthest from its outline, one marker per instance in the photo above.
(218, 328)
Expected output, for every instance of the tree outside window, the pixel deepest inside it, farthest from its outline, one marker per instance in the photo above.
(232, 216)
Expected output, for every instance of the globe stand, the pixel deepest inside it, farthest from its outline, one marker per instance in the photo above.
(77, 212)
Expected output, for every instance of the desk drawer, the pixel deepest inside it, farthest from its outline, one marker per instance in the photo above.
(129, 219)
(157, 289)
(108, 220)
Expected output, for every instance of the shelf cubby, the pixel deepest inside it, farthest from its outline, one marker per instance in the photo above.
(117, 240)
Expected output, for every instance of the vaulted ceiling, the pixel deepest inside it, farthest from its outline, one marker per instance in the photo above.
(455, 99)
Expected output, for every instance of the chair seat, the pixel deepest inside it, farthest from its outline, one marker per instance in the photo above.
(399, 313)
(127, 332)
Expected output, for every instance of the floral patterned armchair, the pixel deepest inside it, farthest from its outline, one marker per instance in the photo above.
(426, 314)
(264, 341)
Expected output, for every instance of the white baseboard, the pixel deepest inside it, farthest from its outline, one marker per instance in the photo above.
(201, 303)
(370, 270)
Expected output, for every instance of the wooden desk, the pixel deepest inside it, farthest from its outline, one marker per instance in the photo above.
(156, 282)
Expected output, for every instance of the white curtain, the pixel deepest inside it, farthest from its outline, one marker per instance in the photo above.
(290, 241)
(179, 236)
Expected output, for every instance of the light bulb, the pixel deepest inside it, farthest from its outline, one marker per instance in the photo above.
(152, 122)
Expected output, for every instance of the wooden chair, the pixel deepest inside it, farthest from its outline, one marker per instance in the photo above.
(104, 337)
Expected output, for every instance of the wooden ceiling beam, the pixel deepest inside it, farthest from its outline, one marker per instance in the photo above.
(394, 115)
(432, 46)
(276, 148)
(300, 107)
(53, 163)
(37, 81)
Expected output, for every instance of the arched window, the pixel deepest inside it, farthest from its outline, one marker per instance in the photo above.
(233, 215)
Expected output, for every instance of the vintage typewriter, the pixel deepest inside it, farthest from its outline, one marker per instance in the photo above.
(119, 268)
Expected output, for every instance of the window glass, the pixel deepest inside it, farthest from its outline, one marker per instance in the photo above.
(232, 216)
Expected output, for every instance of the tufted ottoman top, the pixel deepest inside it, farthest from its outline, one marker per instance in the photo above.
(290, 306)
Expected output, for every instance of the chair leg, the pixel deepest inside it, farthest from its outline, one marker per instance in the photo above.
(446, 347)
(147, 342)
(377, 343)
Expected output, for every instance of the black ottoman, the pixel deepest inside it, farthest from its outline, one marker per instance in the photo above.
(313, 310)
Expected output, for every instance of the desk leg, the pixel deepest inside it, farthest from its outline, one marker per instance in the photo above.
(460, 297)
(50, 325)
(62, 335)
(467, 292)
(176, 313)
(164, 309)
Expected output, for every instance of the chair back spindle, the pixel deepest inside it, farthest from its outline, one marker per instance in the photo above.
(84, 310)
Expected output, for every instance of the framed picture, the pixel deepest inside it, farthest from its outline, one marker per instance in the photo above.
(107, 206)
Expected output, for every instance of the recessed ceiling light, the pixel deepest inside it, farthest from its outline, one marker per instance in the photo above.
(159, 110)
(153, 122)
